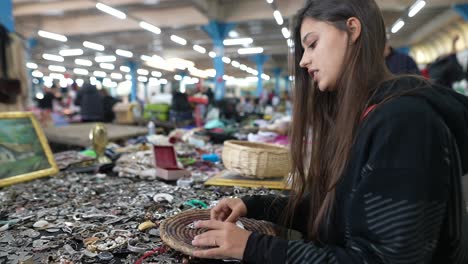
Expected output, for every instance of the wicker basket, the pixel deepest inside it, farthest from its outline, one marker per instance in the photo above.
(177, 234)
(256, 160)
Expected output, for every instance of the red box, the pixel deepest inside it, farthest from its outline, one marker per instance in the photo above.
(166, 164)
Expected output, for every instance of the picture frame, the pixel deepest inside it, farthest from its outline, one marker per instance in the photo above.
(25, 153)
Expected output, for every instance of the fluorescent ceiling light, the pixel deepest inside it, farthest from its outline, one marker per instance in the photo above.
(199, 49)
(177, 77)
(56, 68)
(154, 58)
(243, 67)
(124, 53)
(63, 83)
(178, 40)
(235, 64)
(80, 71)
(233, 34)
(156, 74)
(117, 76)
(71, 52)
(265, 77)
(286, 33)
(251, 79)
(111, 11)
(107, 66)
(150, 27)
(124, 69)
(94, 46)
(79, 82)
(31, 65)
(99, 74)
(153, 81)
(269, 1)
(142, 72)
(82, 62)
(226, 60)
(110, 58)
(128, 77)
(255, 50)
(50, 35)
(180, 64)
(238, 41)
(252, 71)
(212, 54)
(37, 74)
(290, 43)
(416, 7)
(397, 26)
(278, 17)
(52, 57)
(210, 72)
(142, 79)
(57, 76)
(145, 58)
(163, 81)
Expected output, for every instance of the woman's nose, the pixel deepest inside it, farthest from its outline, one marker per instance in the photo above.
(304, 62)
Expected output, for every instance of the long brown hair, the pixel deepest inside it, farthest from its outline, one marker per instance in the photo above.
(329, 119)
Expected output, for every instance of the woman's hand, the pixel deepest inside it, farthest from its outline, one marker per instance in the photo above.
(228, 210)
(228, 239)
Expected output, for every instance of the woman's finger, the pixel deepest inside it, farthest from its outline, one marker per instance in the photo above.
(211, 233)
(214, 253)
(209, 241)
(221, 216)
(233, 217)
(214, 212)
(210, 224)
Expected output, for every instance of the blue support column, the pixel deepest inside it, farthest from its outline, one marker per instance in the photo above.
(277, 73)
(31, 44)
(260, 60)
(218, 31)
(462, 9)
(6, 15)
(133, 72)
(286, 83)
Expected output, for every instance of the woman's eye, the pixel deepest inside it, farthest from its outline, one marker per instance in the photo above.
(313, 45)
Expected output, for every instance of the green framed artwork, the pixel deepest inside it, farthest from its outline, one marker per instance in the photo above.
(24, 151)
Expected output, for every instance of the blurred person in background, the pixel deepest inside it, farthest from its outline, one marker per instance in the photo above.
(46, 106)
(399, 63)
(446, 70)
(90, 101)
(108, 103)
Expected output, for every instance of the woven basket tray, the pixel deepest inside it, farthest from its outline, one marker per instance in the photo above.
(176, 233)
(256, 160)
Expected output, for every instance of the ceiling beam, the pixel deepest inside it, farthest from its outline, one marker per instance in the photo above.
(96, 24)
(210, 8)
(34, 8)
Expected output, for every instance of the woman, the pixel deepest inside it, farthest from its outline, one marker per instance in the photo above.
(388, 153)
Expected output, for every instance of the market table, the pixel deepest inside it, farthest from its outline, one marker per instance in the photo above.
(78, 134)
(96, 218)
